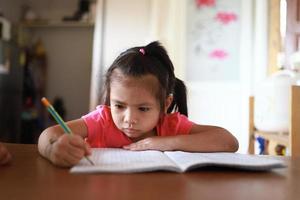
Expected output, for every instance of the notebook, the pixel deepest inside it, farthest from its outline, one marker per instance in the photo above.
(114, 160)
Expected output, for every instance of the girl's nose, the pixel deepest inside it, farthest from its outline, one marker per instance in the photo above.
(130, 117)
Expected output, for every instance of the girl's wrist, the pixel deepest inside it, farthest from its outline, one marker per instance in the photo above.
(175, 142)
(167, 143)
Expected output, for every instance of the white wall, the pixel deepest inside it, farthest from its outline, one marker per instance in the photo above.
(126, 25)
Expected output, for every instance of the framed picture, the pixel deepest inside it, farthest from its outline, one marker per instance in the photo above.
(213, 40)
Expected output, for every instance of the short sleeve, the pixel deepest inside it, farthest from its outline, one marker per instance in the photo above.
(175, 124)
(96, 122)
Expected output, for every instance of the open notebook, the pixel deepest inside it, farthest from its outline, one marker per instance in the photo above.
(114, 160)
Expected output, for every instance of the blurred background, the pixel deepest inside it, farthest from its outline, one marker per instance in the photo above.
(223, 50)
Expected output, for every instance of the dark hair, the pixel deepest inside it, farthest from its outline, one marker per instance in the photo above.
(152, 59)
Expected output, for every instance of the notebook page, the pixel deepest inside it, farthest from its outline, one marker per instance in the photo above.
(188, 160)
(124, 161)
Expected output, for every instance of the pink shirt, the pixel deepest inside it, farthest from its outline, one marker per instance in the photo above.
(102, 131)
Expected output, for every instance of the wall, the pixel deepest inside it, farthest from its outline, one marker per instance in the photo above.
(10, 9)
(126, 25)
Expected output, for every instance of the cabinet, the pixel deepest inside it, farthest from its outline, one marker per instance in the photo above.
(68, 51)
(69, 47)
(290, 140)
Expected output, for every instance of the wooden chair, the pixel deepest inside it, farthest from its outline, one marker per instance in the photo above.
(290, 140)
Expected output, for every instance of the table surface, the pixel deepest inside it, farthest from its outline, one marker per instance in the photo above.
(30, 176)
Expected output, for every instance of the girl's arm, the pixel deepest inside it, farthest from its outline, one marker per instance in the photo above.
(205, 138)
(201, 139)
(64, 149)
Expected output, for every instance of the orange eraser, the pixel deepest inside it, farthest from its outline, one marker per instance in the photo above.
(45, 102)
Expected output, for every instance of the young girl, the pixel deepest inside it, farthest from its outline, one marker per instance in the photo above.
(144, 108)
(5, 156)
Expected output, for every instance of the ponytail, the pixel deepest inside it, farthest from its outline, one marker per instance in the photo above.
(174, 85)
(180, 98)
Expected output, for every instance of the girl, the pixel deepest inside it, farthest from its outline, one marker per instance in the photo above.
(144, 108)
(5, 156)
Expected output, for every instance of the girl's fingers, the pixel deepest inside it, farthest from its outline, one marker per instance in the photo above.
(71, 161)
(68, 150)
(63, 153)
(65, 163)
(126, 147)
(79, 142)
(146, 144)
(65, 159)
(136, 146)
(76, 152)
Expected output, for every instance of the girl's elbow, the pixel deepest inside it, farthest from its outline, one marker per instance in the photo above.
(235, 145)
(232, 144)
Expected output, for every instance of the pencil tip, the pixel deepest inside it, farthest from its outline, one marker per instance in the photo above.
(90, 161)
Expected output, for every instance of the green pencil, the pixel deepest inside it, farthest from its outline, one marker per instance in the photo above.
(59, 120)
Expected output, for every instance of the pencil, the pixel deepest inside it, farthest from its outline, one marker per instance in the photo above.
(59, 120)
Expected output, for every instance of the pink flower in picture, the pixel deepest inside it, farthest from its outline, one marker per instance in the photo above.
(218, 54)
(225, 17)
(208, 3)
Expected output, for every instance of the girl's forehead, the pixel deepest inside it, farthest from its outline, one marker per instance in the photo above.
(134, 91)
(148, 82)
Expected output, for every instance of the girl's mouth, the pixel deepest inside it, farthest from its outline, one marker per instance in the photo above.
(130, 130)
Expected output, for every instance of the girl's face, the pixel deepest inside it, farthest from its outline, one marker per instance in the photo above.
(134, 108)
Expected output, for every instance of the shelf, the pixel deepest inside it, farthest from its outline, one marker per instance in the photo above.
(291, 139)
(57, 24)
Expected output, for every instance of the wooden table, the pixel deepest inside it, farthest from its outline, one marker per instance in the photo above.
(30, 176)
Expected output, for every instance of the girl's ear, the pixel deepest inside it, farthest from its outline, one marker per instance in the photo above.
(169, 100)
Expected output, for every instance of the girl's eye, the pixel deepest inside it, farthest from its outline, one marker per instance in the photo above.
(119, 106)
(144, 109)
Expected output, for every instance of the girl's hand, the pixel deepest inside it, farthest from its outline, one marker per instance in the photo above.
(68, 150)
(152, 143)
(5, 156)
